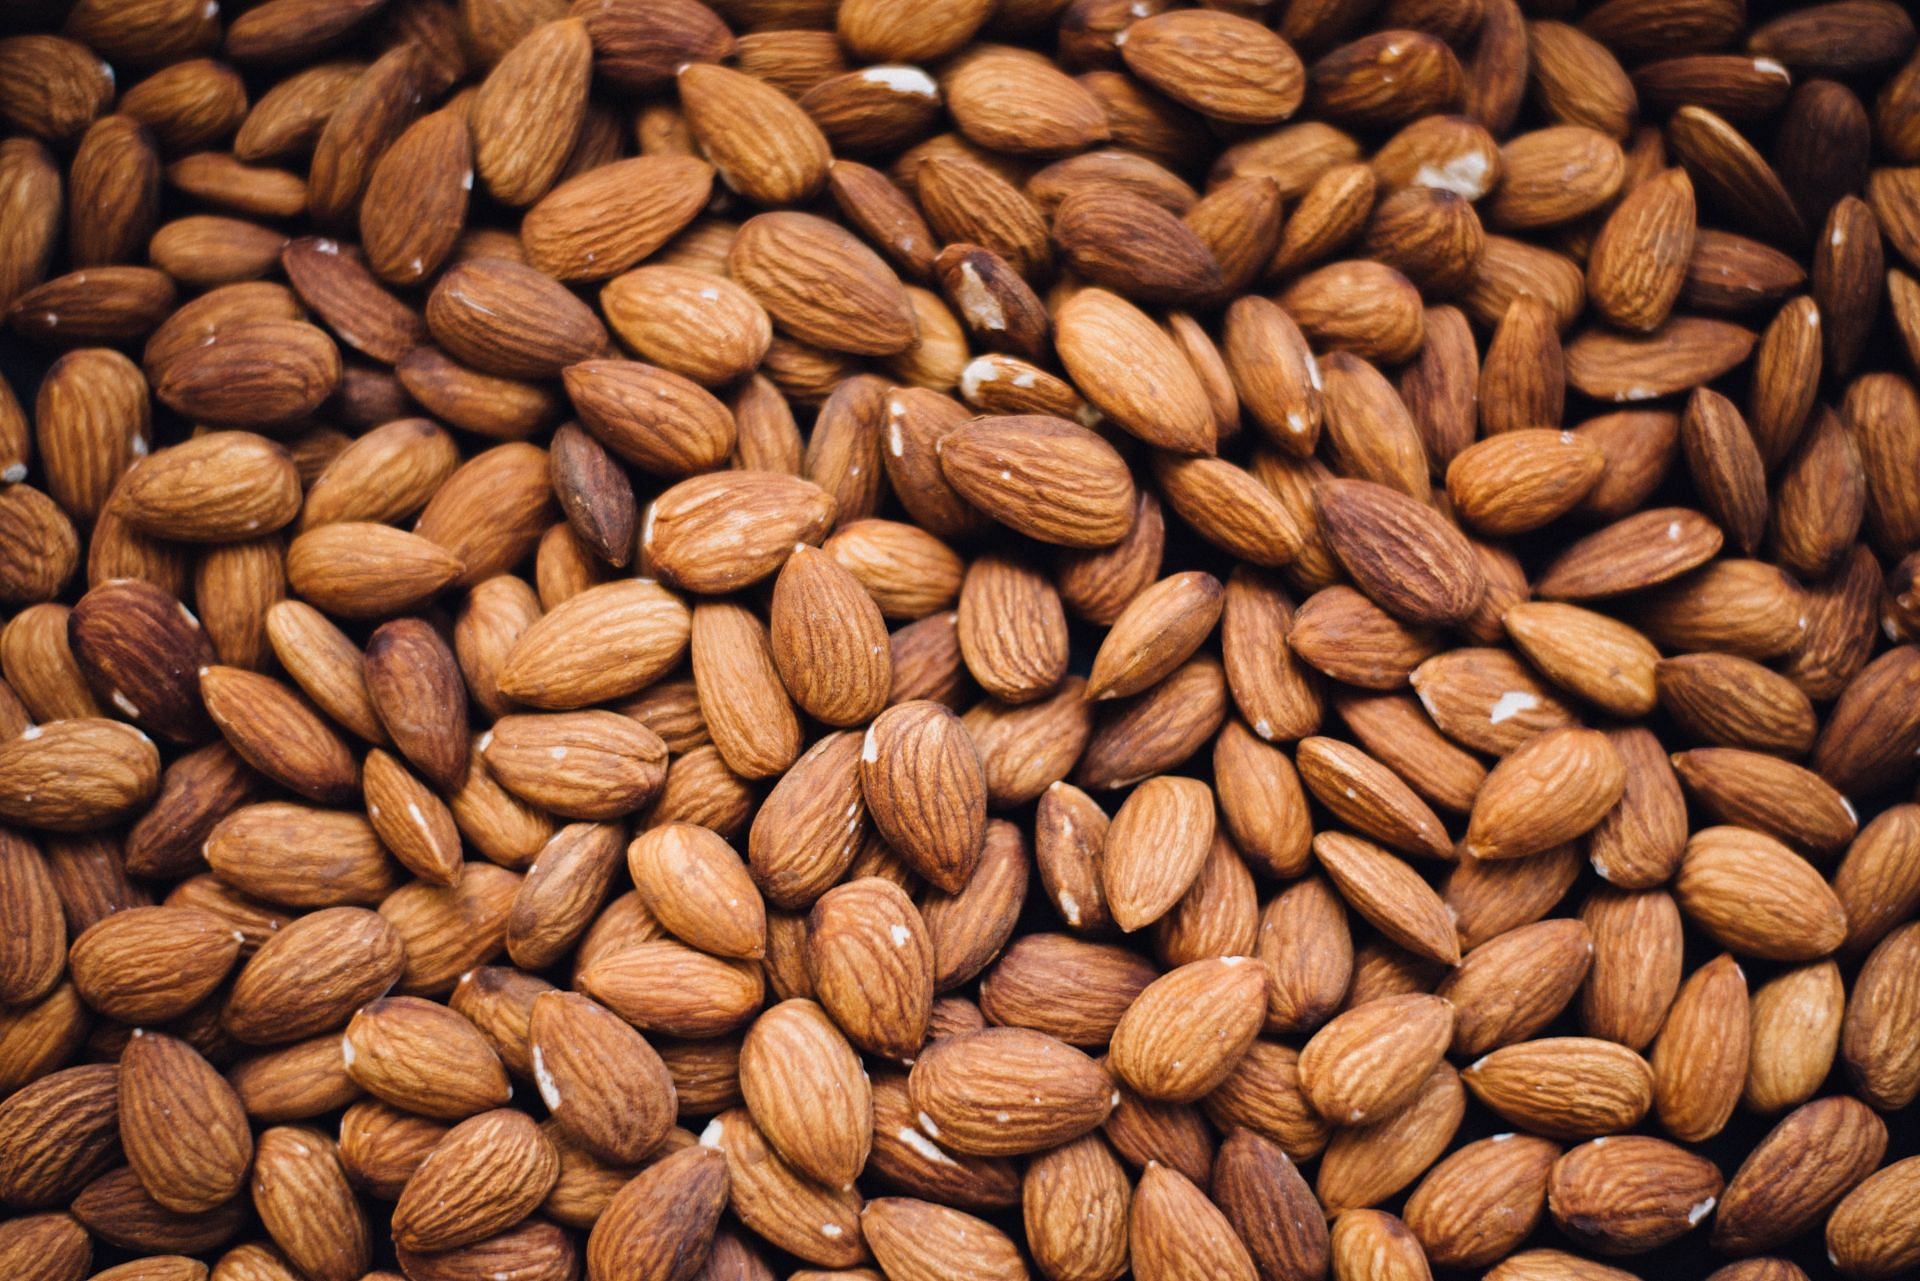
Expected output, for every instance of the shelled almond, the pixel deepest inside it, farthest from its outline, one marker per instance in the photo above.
(704, 640)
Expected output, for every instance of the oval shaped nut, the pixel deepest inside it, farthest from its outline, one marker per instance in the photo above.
(1631, 1193)
(1371, 1061)
(1510, 987)
(263, 373)
(1599, 658)
(925, 791)
(1875, 1230)
(388, 474)
(1134, 372)
(821, 1225)
(1367, 795)
(76, 775)
(1189, 1028)
(182, 1126)
(1564, 1087)
(540, 1250)
(602, 1082)
(279, 733)
(915, 1240)
(93, 421)
(1007, 1091)
(312, 974)
(46, 1247)
(1074, 1202)
(299, 856)
(697, 887)
(424, 1057)
(1638, 263)
(61, 1131)
(667, 987)
(151, 964)
(1474, 1207)
(1520, 480)
(308, 1208)
(594, 765)
(1638, 551)
(1555, 175)
(1687, 351)
(42, 549)
(829, 639)
(602, 221)
(355, 569)
(1155, 848)
(487, 1174)
(652, 418)
(1221, 65)
(909, 572)
(662, 1218)
(804, 1085)
(763, 144)
(142, 650)
(1411, 560)
(727, 530)
(1553, 788)
(526, 115)
(871, 958)
(1359, 306)
(1012, 629)
(699, 325)
(1763, 792)
(492, 511)
(1880, 1039)
(1757, 897)
(220, 487)
(1816, 1155)
(1390, 895)
(809, 827)
(1173, 1227)
(1157, 632)
(33, 954)
(606, 642)
(1045, 477)
(822, 284)
(511, 320)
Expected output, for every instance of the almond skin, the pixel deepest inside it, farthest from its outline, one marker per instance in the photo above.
(1579, 767)
(963, 1085)
(1044, 477)
(1371, 1060)
(164, 1082)
(1185, 1032)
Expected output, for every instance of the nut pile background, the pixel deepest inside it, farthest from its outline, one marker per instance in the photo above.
(959, 640)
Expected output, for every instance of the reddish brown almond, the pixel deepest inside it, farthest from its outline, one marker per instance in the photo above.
(1554, 788)
(484, 1176)
(1372, 1060)
(601, 1080)
(1810, 1160)
(872, 965)
(1155, 848)
(976, 1092)
(924, 790)
(1567, 1087)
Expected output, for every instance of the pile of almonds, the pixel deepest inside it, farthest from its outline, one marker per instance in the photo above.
(959, 640)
